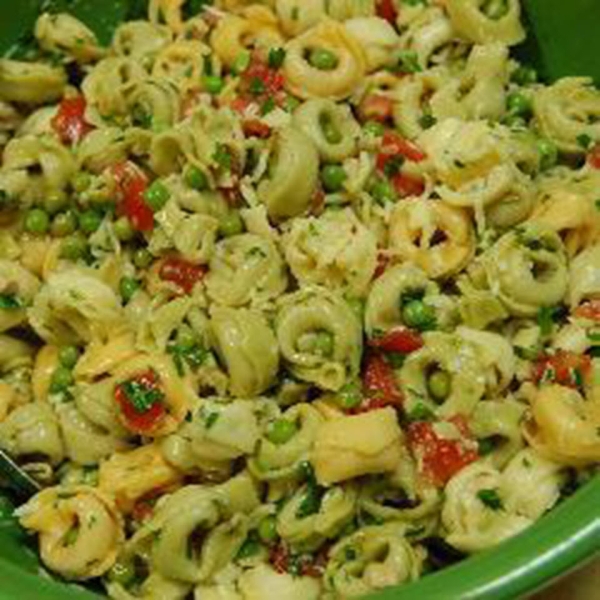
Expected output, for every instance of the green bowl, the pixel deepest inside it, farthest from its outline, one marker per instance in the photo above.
(562, 540)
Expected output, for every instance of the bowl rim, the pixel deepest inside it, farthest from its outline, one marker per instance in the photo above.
(560, 541)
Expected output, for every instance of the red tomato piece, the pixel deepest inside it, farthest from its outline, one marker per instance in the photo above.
(589, 310)
(240, 104)
(565, 368)
(305, 565)
(272, 80)
(383, 262)
(594, 157)
(182, 273)
(408, 185)
(69, 122)
(399, 339)
(279, 557)
(379, 383)
(256, 128)
(376, 108)
(131, 185)
(145, 415)
(394, 145)
(440, 458)
(386, 9)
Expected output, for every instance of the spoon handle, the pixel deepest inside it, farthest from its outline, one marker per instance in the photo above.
(16, 479)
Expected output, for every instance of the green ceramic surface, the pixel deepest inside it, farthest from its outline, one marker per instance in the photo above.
(563, 40)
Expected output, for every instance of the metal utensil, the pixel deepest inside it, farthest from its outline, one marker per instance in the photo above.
(15, 479)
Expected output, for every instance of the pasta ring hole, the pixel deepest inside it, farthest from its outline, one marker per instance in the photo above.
(542, 270)
(439, 237)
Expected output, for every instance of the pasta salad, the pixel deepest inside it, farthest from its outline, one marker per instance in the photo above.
(298, 299)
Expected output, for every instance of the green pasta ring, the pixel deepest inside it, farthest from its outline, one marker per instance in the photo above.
(564, 41)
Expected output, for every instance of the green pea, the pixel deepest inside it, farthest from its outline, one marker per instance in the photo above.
(128, 286)
(213, 84)
(62, 378)
(142, 258)
(427, 121)
(519, 105)
(90, 221)
(383, 191)
(281, 431)
(55, 201)
(64, 224)
(374, 128)
(249, 548)
(74, 247)
(122, 573)
(186, 338)
(241, 63)
(196, 178)
(37, 221)
(438, 384)
(231, 224)
(68, 356)
(349, 396)
(331, 132)
(548, 154)
(524, 76)
(418, 315)
(123, 229)
(324, 343)
(322, 59)
(267, 529)
(333, 177)
(81, 182)
(157, 195)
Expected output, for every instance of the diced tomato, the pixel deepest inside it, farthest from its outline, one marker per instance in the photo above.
(383, 262)
(317, 202)
(440, 458)
(565, 368)
(141, 417)
(408, 185)
(256, 128)
(376, 108)
(272, 80)
(131, 185)
(233, 196)
(303, 565)
(589, 310)
(594, 157)
(395, 145)
(240, 104)
(182, 273)
(399, 339)
(69, 122)
(379, 384)
(386, 9)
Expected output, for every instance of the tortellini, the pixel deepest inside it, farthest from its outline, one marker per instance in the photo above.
(335, 250)
(338, 83)
(319, 337)
(75, 306)
(295, 167)
(527, 268)
(34, 83)
(432, 235)
(18, 287)
(357, 445)
(79, 528)
(567, 110)
(373, 558)
(246, 269)
(248, 347)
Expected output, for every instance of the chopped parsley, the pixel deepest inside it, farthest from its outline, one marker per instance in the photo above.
(223, 157)
(210, 419)
(141, 395)
(257, 86)
(584, 140)
(10, 302)
(276, 57)
(194, 356)
(490, 498)
(420, 412)
(407, 62)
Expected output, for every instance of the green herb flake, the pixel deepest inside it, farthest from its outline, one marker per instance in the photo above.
(584, 140)
(545, 319)
(141, 395)
(210, 419)
(9, 302)
(490, 498)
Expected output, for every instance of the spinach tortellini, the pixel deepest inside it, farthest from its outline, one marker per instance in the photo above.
(319, 337)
